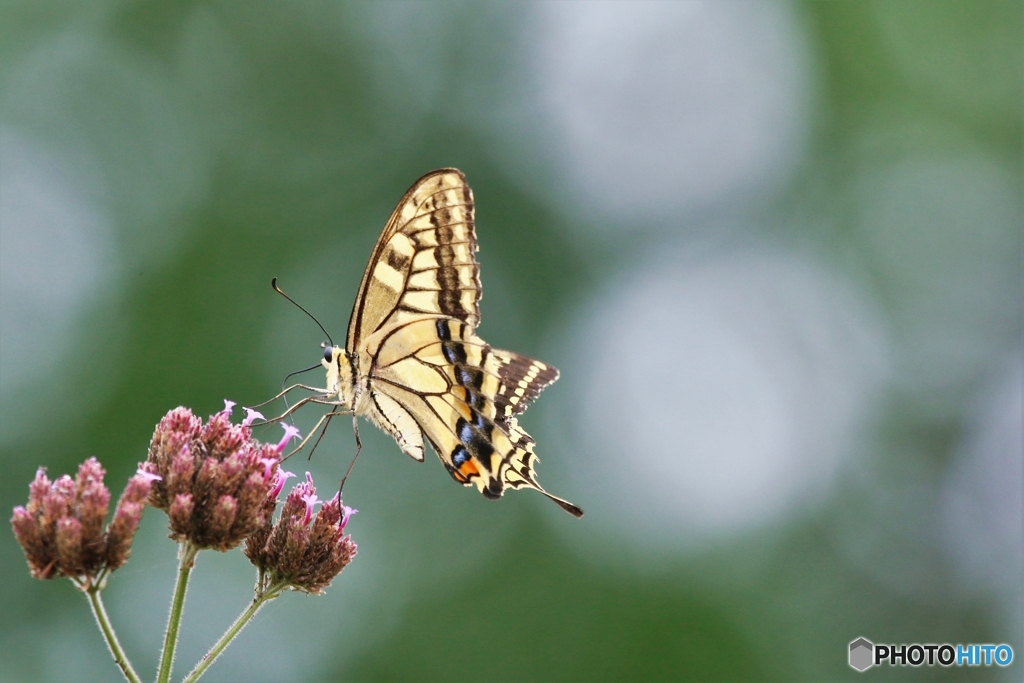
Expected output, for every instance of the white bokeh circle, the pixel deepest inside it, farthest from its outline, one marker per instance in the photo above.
(981, 509)
(944, 234)
(717, 395)
(656, 107)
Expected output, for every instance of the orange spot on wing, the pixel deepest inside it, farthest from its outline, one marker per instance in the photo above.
(469, 469)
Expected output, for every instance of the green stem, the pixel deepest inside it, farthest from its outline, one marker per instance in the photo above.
(100, 612)
(233, 630)
(186, 555)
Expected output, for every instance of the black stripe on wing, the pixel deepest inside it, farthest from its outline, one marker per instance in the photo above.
(450, 300)
(522, 379)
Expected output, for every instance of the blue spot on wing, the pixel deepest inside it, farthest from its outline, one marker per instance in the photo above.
(464, 431)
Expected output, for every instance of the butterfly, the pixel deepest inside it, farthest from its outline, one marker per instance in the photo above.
(412, 363)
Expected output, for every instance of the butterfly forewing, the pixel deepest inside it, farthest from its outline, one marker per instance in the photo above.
(430, 378)
(424, 260)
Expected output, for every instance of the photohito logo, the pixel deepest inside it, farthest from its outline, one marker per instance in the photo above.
(864, 654)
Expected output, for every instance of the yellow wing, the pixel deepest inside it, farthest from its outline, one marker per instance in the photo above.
(435, 373)
(429, 377)
(423, 262)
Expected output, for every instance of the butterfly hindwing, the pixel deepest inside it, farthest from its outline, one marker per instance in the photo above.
(519, 470)
(522, 379)
(424, 262)
(448, 380)
(393, 418)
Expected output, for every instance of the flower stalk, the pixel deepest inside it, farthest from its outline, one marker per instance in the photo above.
(187, 557)
(241, 622)
(103, 621)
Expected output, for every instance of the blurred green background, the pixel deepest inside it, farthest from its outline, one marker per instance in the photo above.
(774, 248)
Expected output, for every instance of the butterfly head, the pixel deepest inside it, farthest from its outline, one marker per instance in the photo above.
(340, 373)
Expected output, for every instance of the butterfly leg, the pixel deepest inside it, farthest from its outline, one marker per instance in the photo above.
(323, 431)
(359, 447)
(321, 400)
(302, 444)
(317, 390)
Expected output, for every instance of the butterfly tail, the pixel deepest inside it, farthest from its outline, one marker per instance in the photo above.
(519, 471)
(574, 510)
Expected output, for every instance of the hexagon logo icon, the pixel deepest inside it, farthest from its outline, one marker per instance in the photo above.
(861, 654)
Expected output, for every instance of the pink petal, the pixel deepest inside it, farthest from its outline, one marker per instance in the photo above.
(148, 476)
(310, 500)
(346, 512)
(290, 432)
(268, 467)
(251, 415)
(282, 476)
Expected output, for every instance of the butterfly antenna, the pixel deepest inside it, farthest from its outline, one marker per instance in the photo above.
(273, 283)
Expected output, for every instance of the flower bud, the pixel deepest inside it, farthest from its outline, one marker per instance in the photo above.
(127, 516)
(69, 546)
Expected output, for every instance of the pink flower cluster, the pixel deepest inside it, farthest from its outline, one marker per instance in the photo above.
(302, 550)
(218, 486)
(61, 527)
(215, 478)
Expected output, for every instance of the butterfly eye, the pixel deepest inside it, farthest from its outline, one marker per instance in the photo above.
(328, 353)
